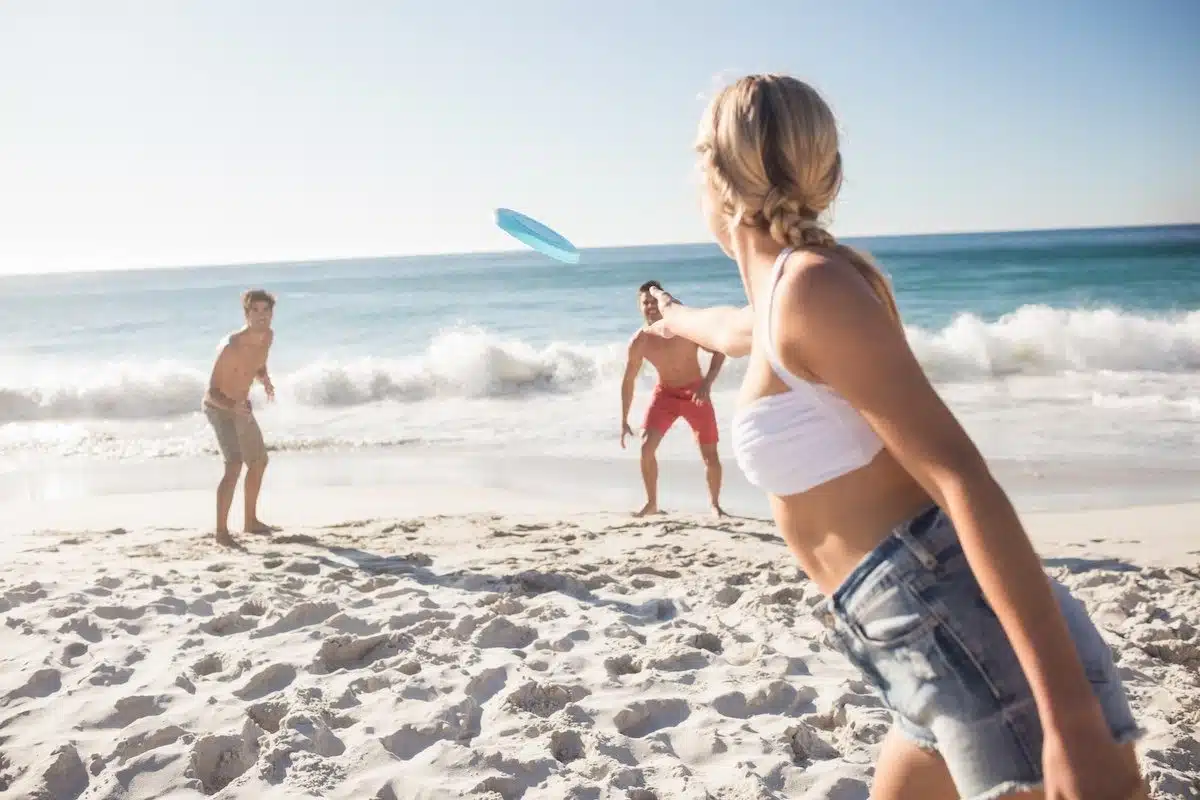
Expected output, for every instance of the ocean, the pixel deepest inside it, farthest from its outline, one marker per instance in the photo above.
(1063, 352)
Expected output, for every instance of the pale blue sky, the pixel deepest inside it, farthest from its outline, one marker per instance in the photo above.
(166, 132)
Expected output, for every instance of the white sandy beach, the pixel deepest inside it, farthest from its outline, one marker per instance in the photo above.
(391, 644)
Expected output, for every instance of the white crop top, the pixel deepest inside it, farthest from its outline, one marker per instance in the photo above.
(805, 436)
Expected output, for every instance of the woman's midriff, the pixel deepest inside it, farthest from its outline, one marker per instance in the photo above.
(832, 527)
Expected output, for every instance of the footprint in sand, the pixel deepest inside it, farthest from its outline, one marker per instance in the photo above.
(42, 683)
(20, 595)
(267, 715)
(168, 604)
(300, 615)
(505, 605)
(217, 761)
(403, 591)
(459, 723)
(269, 680)
(128, 710)
(410, 740)
(566, 746)
(83, 627)
(644, 718)
(405, 621)
(544, 699)
(302, 566)
(705, 641)
(678, 659)
(655, 571)
(253, 608)
(777, 697)
(376, 582)
(229, 624)
(118, 612)
(354, 652)
(807, 745)
(344, 623)
(405, 527)
(727, 596)
(211, 664)
(624, 664)
(109, 675)
(567, 643)
(486, 685)
(63, 775)
(370, 684)
(786, 596)
(499, 632)
(133, 746)
(71, 652)
(61, 611)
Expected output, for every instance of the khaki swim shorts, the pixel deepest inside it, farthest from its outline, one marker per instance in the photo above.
(238, 436)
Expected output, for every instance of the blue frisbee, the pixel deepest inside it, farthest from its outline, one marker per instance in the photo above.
(536, 235)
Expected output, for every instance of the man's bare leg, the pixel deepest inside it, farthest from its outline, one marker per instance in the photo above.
(254, 478)
(650, 472)
(712, 473)
(225, 490)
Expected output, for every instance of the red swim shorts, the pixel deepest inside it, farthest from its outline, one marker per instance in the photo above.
(672, 402)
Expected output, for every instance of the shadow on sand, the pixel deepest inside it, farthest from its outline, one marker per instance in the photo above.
(1076, 565)
(528, 583)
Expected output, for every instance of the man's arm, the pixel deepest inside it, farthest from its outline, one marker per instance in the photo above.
(262, 373)
(714, 368)
(633, 365)
(701, 395)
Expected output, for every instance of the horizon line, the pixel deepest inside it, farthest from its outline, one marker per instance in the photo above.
(276, 262)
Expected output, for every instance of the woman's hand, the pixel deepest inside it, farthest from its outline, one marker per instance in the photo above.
(665, 302)
(661, 328)
(721, 329)
(1080, 760)
(663, 299)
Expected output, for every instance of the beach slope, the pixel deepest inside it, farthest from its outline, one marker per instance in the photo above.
(526, 654)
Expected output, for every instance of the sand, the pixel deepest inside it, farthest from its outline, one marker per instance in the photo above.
(538, 654)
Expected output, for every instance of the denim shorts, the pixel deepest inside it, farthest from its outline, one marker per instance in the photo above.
(913, 620)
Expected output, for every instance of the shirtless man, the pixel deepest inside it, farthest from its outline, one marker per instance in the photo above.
(682, 391)
(242, 359)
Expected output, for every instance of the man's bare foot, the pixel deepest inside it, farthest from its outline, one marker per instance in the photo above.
(718, 512)
(225, 540)
(261, 528)
(647, 510)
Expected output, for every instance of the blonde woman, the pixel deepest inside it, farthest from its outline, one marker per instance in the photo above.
(999, 683)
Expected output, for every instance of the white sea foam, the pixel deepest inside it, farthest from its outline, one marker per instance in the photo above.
(472, 363)
(1038, 340)
(1088, 374)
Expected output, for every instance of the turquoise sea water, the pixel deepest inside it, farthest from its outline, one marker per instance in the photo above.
(1079, 347)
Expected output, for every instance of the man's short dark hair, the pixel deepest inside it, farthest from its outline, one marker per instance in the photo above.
(648, 285)
(252, 296)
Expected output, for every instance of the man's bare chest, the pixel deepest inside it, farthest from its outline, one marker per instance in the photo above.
(248, 362)
(670, 352)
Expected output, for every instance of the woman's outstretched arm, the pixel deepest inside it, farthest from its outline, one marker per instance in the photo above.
(719, 329)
